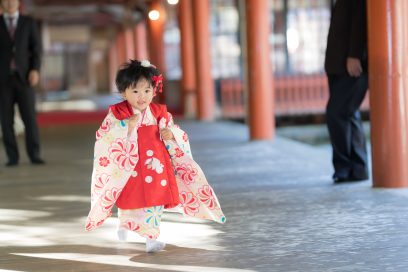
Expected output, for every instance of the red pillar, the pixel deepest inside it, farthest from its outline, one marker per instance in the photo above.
(188, 80)
(388, 83)
(129, 43)
(156, 41)
(121, 47)
(260, 77)
(113, 65)
(156, 32)
(205, 83)
(140, 41)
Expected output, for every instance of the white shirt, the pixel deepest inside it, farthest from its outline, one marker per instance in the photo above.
(15, 18)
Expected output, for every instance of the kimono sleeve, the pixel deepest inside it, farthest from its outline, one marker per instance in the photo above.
(197, 197)
(101, 145)
(103, 132)
(181, 143)
(110, 170)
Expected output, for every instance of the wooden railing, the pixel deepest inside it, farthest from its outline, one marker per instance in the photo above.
(294, 95)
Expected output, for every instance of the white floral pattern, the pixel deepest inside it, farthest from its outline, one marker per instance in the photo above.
(148, 179)
(155, 165)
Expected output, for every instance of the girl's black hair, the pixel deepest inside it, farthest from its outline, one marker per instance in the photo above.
(133, 71)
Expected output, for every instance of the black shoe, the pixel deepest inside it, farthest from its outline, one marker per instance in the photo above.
(338, 180)
(358, 178)
(37, 161)
(11, 164)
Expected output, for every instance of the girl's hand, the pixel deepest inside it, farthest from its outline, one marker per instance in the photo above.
(166, 134)
(132, 122)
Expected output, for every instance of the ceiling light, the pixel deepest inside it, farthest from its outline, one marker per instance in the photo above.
(154, 15)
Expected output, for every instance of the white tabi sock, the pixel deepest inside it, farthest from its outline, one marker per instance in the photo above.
(122, 234)
(154, 245)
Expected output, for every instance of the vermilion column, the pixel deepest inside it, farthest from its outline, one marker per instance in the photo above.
(113, 65)
(188, 80)
(156, 40)
(129, 43)
(140, 41)
(121, 47)
(388, 84)
(205, 83)
(260, 77)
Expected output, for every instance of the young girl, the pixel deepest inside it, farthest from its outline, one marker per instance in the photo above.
(143, 162)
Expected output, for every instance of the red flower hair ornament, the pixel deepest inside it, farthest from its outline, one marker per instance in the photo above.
(158, 83)
(157, 80)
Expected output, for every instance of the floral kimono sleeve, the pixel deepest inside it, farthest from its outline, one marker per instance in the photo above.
(115, 156)
(181, 144)
(197, 197)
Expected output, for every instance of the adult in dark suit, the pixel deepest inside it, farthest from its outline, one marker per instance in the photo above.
(346, 68)
(20, 53)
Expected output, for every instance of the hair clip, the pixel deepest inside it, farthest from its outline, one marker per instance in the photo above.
(145, 63)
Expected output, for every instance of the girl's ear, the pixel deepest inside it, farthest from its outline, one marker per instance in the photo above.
(123, 95)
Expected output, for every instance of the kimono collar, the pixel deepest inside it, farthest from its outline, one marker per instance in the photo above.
(122, 110)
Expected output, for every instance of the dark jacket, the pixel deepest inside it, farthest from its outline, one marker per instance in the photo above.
(26, 48)
(347, 36)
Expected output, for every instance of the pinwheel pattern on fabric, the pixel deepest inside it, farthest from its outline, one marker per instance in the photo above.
(124, 154)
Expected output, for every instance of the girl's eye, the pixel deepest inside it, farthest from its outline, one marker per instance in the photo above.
(135, 91)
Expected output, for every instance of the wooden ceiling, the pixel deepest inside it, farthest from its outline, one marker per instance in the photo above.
(87, 2)
(92, 12)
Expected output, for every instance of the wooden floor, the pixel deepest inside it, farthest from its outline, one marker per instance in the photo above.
(283, 213)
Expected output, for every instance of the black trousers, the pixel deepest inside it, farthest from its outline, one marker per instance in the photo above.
(345, 126)
(17, 91)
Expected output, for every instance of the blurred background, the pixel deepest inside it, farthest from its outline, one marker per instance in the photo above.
(86, 41)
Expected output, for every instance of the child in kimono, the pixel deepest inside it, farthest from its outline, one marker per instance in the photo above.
(143, 162)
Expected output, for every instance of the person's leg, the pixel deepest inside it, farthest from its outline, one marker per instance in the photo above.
(7, 100)
(338, 124)
(26, 105)
(145, 222)
(358, 143)
(358, 149)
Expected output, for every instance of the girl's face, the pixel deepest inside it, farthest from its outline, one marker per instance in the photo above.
(139, 96)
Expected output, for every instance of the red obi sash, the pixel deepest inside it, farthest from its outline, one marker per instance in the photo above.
(153, 182)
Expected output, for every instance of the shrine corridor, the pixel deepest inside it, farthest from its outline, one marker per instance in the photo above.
(283, 212)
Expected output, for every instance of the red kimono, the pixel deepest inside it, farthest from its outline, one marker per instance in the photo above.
(152, 182)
